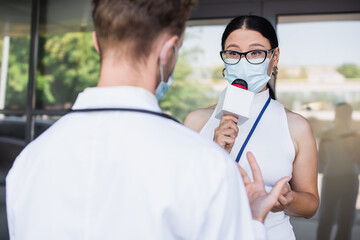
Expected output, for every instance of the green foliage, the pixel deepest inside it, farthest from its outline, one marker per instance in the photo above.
(349, 70)
(216, 73)
(68, 64)
(18, 73)
(186, 94)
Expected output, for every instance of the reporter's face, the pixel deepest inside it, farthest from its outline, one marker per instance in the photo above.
(243, 40)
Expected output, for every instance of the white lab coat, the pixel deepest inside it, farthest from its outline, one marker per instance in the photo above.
(123, 175)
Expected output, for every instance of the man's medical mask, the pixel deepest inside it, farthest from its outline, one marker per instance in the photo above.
(163, 86)
(254, 74)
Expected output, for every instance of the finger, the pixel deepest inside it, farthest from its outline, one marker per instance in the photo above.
(221, 130)
(277, 204)
(286, 189)
(244, 175)
(229, 124)
(276, 210)
(255, 169)
(227, 117)
(226, 140)
(222, 140)
(282, 200)
(227, 132)
(275, 192)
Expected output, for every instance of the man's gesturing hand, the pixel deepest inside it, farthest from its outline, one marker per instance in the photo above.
(260, 201)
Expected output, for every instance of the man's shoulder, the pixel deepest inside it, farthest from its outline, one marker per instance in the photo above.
(189, 140)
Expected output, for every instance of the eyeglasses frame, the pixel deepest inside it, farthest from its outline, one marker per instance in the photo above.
(245, 53)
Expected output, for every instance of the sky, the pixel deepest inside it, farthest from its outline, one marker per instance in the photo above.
(301, 44)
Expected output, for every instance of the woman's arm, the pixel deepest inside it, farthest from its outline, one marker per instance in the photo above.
(197, 119)
(300, 198)
(224, 135)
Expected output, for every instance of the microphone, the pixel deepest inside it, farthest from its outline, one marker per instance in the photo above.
(240, 83)
(236, 100)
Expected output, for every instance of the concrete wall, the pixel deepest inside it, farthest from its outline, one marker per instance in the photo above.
(270, 9)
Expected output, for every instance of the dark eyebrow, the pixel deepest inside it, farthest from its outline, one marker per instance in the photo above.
(251, 45)
(257, 44)
(232, 45)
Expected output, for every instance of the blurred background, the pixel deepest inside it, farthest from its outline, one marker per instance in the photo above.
(47, 58)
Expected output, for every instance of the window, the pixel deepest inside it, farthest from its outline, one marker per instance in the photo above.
(319, 77)
(64, 65)
(14, 59)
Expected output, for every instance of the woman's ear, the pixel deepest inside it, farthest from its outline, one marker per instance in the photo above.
(95, 41)
(276, 57)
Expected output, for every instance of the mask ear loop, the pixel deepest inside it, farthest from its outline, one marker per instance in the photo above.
(161, 53)
(160, 57)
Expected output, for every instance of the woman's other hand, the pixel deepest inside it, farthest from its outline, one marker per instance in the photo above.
(285, 199)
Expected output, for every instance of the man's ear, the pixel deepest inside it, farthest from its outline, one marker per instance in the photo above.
(95, 41)
(168, 48)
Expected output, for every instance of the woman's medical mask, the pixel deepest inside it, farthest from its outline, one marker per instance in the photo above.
(163, 86)
(254, 74)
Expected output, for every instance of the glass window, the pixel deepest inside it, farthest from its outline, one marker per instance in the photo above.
(43, 122)
(319, 77)
(14, 53)
(197, 75)
(14, 61)
(12, 142)
(68, 62)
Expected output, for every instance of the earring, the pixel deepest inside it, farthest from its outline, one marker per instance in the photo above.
(223, 72)
(275, 71)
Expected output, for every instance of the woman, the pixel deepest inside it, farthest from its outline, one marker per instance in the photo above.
(282, 141)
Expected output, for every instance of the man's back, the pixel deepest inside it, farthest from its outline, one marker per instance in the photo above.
(107, 175)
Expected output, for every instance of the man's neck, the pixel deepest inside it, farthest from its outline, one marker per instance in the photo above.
(120, 73)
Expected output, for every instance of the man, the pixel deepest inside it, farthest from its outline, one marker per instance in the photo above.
(119, 174)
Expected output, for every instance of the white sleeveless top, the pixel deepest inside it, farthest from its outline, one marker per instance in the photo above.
(273, 149)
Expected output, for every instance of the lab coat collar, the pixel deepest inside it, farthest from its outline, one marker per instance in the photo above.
(116, 97)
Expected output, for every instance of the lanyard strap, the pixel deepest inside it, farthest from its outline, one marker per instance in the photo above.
(160, 114)
(252, 130)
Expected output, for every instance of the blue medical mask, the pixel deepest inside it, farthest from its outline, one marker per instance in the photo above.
(254, 74)
(163, 86)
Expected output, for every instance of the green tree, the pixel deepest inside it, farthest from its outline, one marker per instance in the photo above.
(69, 64)
(217, 73)
(186, 94)
(349, 70)
(18, 73)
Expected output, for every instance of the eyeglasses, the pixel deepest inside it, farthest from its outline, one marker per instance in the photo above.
(254, 56)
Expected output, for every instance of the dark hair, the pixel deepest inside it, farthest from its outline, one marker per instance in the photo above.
(251, 22)
(139, 22)
(256, 23)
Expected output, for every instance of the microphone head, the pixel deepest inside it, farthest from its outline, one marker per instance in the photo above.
(240, 83)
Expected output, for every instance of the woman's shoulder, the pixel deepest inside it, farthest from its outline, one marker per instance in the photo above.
(296, 120)
(299, 127)
(198, 118)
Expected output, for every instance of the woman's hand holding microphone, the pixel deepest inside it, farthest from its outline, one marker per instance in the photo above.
(226, 133)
